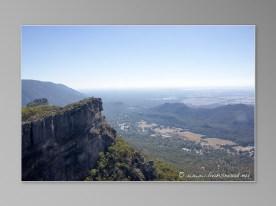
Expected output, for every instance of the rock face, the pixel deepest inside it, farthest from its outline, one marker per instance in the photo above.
(65, 145)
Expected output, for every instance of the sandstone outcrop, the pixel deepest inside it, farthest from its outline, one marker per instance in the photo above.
(65, 145)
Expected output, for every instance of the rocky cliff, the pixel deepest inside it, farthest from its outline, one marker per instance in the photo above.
(65, 145)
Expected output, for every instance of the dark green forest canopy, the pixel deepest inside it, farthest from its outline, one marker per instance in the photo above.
(122, 163)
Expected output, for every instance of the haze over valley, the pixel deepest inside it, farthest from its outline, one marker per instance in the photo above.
(197, 131)
(191, 129)
(141, 102)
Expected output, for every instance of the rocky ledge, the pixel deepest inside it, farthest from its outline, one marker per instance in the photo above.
(65, 145)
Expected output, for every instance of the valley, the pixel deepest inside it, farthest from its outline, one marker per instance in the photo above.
(198, 141)
(213, 141)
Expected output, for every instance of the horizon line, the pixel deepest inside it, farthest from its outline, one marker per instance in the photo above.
(149, 87)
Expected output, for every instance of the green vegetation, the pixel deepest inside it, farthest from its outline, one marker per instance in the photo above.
(38, 102)
(37, 112)
(39, 108)
(166, 172)
(169, 150)
(233, 122)
(199, 160)
(78, 104)
(122, 163)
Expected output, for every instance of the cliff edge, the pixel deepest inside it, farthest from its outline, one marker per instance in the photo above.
(64, 144)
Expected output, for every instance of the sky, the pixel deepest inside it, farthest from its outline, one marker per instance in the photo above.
(125, 57)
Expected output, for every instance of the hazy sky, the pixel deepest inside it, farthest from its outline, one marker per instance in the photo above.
(87, 57)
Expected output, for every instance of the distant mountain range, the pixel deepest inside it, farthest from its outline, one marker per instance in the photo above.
(57, 94)
(233, 121)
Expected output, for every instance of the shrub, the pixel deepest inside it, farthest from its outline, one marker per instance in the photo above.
(121, 162)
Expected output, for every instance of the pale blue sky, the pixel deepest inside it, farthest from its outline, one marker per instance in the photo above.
(87, 57)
